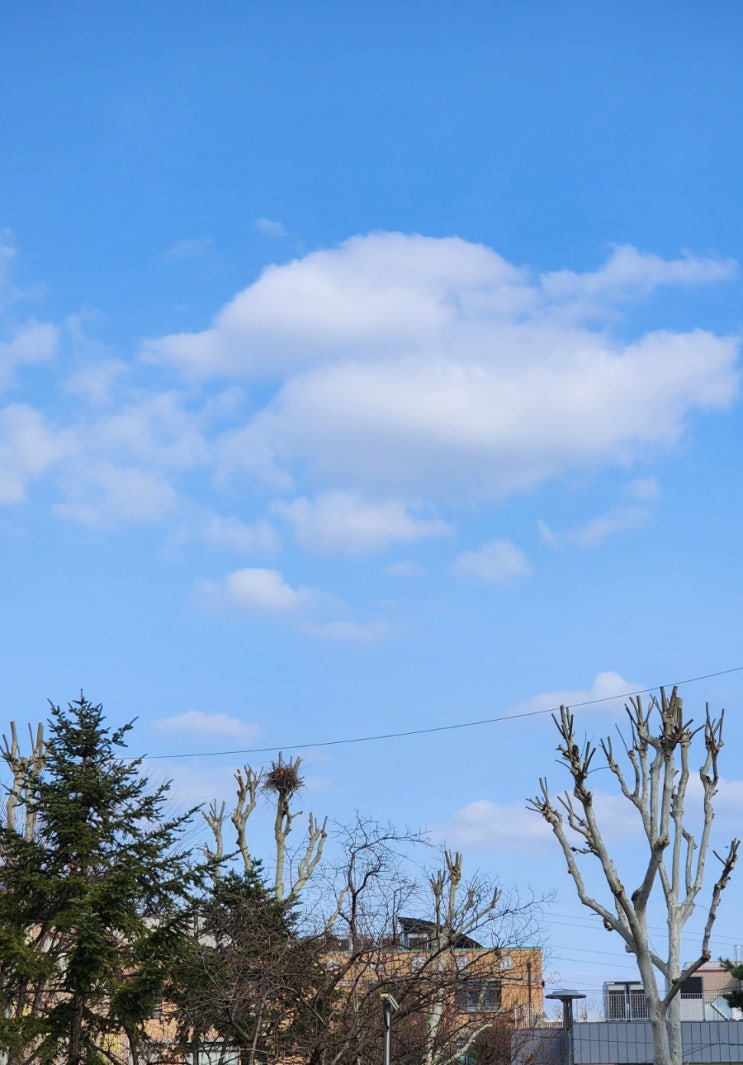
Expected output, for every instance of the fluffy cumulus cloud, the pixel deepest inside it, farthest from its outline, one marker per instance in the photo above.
(262, 591)
(495, 562)
(355, 395)
(410, 367)
(608, 694)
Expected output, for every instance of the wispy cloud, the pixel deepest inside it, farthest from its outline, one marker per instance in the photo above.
(404, 569)
(29, 447)
(104, 494)
(198, 723)
(628, 272)
(618, 519)
(271, 228)
(232, 534)
(487, 825)
(594, 532)
(515, 827)
(188, 249)
(30, 343)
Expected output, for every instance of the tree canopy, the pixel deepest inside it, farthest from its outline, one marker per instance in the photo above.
(95, 890)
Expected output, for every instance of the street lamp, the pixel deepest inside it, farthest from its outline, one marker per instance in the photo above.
(389, 1006)
(567, 998)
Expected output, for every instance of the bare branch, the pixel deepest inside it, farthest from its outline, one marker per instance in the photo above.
(248, 783)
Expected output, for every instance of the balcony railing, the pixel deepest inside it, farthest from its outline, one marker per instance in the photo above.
(708, 1006)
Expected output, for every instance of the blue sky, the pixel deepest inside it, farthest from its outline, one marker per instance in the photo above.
(374, 368)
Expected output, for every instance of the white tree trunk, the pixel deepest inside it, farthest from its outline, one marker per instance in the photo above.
(655, 784)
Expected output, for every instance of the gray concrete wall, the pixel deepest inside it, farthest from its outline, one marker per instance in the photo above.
(631, 1042)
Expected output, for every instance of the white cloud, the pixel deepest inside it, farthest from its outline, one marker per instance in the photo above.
(384, 294)
(270, 228)
(28, 448)
(727, 803)
(188, 249)
(487, 825)
(642, 489)
(95, 383)
(445, 428)
(594, 532)
(345, 523)
(193, 783)
(157, 429)
(496, 562)
(9, 293)
(231, 533)
(512, 827)
(626, 516)
(7, 254)
(32, 342)
(350, 631)
(411, 367)
(196, 722)
(102, 494)
(607, 693)
(629, 272)
(263, 591)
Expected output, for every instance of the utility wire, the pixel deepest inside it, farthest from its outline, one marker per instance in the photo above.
(447, 728)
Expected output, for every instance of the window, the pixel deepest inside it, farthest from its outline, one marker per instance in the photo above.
(479, 996)
(416, 940)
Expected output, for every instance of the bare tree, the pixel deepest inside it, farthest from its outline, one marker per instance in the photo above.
(340, 945)
(24, 770)
(656, 784)
(447, 984)
(282, 782)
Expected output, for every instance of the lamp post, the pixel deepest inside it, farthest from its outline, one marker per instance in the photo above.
(567, 998)
(389, 1006)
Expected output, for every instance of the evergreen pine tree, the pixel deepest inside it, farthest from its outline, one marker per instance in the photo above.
(93, 906)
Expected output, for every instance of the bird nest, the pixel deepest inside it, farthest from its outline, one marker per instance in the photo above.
(283, 778)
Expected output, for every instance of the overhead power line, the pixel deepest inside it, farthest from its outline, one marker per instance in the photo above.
(378, 737)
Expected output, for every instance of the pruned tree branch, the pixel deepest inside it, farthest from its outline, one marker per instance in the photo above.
(656, 785)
